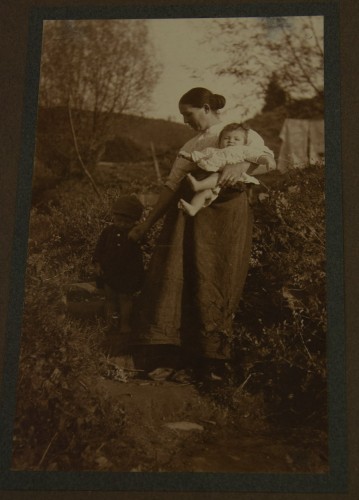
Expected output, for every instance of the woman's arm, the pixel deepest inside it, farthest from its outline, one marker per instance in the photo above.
(165, 198)
(231, 174)
(264, 164)
(185, 155)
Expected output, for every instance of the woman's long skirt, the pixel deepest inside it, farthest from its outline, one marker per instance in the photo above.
(196, 277)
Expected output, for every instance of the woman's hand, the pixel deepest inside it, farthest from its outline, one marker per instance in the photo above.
(232, 174)
(185, 155)
(138, 232)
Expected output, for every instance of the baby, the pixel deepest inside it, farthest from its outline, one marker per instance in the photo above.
(237, 143)
(118, 263)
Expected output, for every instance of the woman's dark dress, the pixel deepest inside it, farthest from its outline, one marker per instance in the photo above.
(196, 277)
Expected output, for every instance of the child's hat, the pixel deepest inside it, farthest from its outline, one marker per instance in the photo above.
(128, 205)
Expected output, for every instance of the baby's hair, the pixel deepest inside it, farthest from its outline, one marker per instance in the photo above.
(199, 96)
(235, 126)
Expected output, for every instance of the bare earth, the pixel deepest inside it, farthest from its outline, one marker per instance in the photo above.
(173, 427)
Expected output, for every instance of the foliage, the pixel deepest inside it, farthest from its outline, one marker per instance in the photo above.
(124, 149)
(269, 123)
(274, 96)
(128, 140)
(292, 47)
(98, 66)
(63, 422)
(281, 326)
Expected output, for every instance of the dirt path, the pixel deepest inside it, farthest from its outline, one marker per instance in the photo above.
(177, 427)
(172, 427)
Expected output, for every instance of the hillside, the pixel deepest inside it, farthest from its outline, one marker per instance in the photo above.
(131, 136)
(82, 405)
(129, 139)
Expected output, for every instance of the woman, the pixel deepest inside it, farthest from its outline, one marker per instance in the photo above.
(200, 263)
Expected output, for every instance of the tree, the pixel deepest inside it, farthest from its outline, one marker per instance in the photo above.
(96, 68)
(274, 96)
(254, 48)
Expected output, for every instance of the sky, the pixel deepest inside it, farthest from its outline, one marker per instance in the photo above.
(188, 61)
(178, 47)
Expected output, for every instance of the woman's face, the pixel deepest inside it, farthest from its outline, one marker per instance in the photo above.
(197, 118)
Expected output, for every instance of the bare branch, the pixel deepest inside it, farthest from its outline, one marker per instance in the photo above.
(319, 46)
(87, 173)
(298, 61)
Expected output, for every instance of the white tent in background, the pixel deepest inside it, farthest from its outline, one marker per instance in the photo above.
(302, 143)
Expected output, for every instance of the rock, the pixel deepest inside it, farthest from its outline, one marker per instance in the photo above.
(184, 426)
(90, 287)
(161, 373)
(125, 362)
(183, 377)
(84, 300)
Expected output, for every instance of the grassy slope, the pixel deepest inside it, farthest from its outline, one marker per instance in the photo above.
(131, 136)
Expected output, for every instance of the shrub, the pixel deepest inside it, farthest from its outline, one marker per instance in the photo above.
(60, 416)
(281, 325)
(280, 329)
(62, 421)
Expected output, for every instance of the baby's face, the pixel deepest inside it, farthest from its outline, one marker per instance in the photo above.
(233, 138)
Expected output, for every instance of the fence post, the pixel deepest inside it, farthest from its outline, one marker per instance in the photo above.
(155, 162)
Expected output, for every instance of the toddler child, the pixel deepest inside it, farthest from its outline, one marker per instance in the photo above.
(237, 143)
(118, 263)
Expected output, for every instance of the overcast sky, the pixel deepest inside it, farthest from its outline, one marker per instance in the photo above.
(178, 48)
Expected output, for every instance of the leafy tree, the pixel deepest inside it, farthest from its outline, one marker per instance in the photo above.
(275, 96)
(253, 49)
(96, 68)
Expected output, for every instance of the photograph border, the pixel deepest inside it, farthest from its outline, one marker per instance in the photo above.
(336, 479)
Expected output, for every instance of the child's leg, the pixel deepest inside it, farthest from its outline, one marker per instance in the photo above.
(126, 302)
(111, 307)
(209, 182)
(200, 200)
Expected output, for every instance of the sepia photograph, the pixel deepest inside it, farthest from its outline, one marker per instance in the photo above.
(175, 309)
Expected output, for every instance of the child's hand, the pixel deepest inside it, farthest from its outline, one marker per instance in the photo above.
(138, 232)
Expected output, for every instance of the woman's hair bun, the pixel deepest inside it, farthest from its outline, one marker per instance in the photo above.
(217, 101)
(199, 96)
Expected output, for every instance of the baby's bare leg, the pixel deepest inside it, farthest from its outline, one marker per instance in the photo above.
(209, 182)
(200, 200)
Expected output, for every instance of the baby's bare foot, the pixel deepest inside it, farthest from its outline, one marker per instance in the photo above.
(187, 207)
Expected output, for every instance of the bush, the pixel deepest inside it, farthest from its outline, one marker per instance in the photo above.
(62, 421)
(282, 323)
(280, 329)
(124, 149)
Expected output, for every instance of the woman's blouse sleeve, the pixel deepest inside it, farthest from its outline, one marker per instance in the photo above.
(180, 167)
(255, 147)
